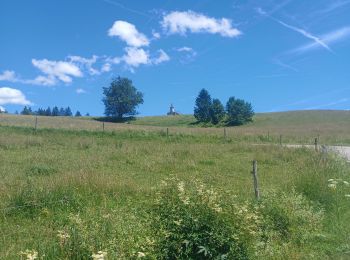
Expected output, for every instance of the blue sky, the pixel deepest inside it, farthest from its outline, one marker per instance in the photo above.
(279, 55)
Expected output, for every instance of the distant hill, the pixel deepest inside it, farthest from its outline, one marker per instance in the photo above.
(331, 126)
(310, 118)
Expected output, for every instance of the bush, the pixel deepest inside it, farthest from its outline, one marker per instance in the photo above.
(191, 223)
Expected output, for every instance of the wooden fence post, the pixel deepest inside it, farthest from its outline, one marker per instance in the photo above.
(255, 179)
(167, 132)
(103, 126)
(281, 140)
(36, 122)
(316, 144)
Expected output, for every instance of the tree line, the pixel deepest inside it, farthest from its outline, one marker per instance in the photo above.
(55, 111)
(121, 98)
(212, 111)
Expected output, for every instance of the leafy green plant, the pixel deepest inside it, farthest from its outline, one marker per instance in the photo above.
(189, 225)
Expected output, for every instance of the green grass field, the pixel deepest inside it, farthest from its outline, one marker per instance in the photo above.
(67, 193)
(331, 127)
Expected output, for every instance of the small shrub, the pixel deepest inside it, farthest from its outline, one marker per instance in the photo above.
(191, 223)
(188, 225)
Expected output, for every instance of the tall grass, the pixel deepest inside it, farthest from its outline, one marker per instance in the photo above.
(73, 194)
(331, 127)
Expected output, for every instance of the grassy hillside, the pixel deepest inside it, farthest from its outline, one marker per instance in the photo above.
(166, 121)
(68, 194)
(312, 118)
(332, 127)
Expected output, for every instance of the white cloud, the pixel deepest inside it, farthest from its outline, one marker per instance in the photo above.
(329, 38)
(182, 22)
(128, 33)
(8, 75)
(12, 96)
(56, 71)
(42, 80)
(156, 35)
(85, 62)
(80, 91)
(61, 70)
(106, 67)
(161, 58)
(184, 49)
(189, 54)
(2, 109)
(135, 56)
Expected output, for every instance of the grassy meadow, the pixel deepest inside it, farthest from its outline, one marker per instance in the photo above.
(71, 191)
(331, 127)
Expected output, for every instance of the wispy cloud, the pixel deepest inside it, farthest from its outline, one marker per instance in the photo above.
(329, 38)
(332, 6)
(115, 3)
(315, 39)
(285, 65)
(188, 54)
(330, 104)
(271, 76)
(80, 91)
(312, 99)
(163, 56)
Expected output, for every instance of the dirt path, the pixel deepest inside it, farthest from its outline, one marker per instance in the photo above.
(343, 151)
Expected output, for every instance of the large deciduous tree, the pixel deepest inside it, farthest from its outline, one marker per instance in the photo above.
(121, 98)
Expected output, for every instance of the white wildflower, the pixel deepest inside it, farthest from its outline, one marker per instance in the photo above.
(181, 186)
(140, 254)
(100, 255)
(63, 236)
(30, 254)
(332, 186)
(178, 222)
(347, 195)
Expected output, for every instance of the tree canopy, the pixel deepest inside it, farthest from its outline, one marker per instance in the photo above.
(121, 98)
(217, 112)
(203, 105)
(238, 111)
(212, 111)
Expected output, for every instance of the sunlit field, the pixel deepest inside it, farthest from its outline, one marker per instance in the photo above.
(67, 193)
(330, 127)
